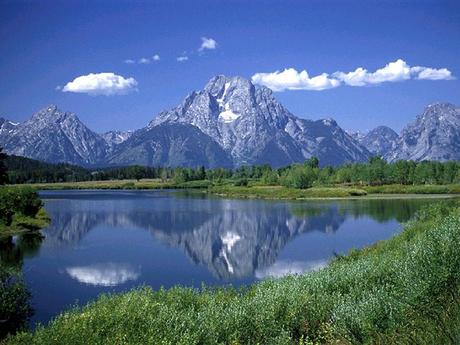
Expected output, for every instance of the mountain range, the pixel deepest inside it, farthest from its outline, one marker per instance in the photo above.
(231, 122)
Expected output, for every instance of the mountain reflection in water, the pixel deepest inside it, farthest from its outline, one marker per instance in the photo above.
(232, 238)
(111, 241)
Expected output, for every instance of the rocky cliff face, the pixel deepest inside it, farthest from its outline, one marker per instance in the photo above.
(55, 136)
(435, 135)
(7, 129)
(380, 141)
(113, 138)
(254, 128)
(173, 145)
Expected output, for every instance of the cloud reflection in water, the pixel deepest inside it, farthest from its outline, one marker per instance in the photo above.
(284, 267)
(104, 274)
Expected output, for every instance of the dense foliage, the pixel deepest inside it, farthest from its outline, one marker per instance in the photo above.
(20, 201)
(404, 290)
(376, 172)
(26, 170)
(15, 309)
(3, 169)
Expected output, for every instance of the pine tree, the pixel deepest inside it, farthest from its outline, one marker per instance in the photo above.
(3, 169)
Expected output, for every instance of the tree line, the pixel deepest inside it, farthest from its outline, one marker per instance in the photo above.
(374, 172)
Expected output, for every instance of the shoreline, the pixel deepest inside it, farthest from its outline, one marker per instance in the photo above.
(227, 189)
(25, 224)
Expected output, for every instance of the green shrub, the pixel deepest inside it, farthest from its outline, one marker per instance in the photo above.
(299, 177)
(270, 178)
(242, 182)
(21, 200)
(6, 214)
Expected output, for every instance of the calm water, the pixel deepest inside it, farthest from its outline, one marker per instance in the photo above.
(102, 241)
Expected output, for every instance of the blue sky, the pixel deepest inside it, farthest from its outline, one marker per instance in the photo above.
(48, 44)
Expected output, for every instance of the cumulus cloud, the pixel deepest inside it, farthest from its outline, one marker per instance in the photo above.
(105, 274)
(107, 84)
(129, 61)
(156, 57)
(292, 80)
(433, 73)
(182, 58)
(399, 70)
(207, 43)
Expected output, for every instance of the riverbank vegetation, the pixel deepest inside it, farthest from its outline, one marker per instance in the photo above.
(376, 172)
(20, 209)
(403, 290)
(15, 309)
(20, 206)
(297, 181)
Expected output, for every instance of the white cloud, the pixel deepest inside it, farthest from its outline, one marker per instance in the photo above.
(144, 61)
(394, 71)
(398, 70)
(283, 268)
(290, 79)
(207, 43)
(101, 84)
(182, 58)
(432, 73)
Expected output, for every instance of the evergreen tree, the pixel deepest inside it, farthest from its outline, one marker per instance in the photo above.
(3, 169)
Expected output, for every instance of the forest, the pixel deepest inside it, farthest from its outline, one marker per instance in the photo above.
(375, 172)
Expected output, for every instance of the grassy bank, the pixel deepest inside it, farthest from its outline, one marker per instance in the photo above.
(414, 189)
(120, 184)
(280, 192)
(254, 188)
(21, 210)
(404, 290)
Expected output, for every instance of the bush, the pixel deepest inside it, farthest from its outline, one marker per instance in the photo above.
(6, 214)
(299, 177)
(242, 182)
(270, 178)
(21, 200)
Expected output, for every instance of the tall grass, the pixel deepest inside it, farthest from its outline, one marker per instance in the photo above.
(403, 290)
(414, 189)
(279, 192)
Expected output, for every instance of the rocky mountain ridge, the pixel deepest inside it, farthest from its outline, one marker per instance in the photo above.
(230, 122)
(434, 135)
(379, 141)
(55, 136)
(254, 128)
(113, 138)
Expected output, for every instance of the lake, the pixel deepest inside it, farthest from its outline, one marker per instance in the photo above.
(111, 241)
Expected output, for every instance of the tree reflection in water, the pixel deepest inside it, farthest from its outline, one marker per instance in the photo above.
(15, 308)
